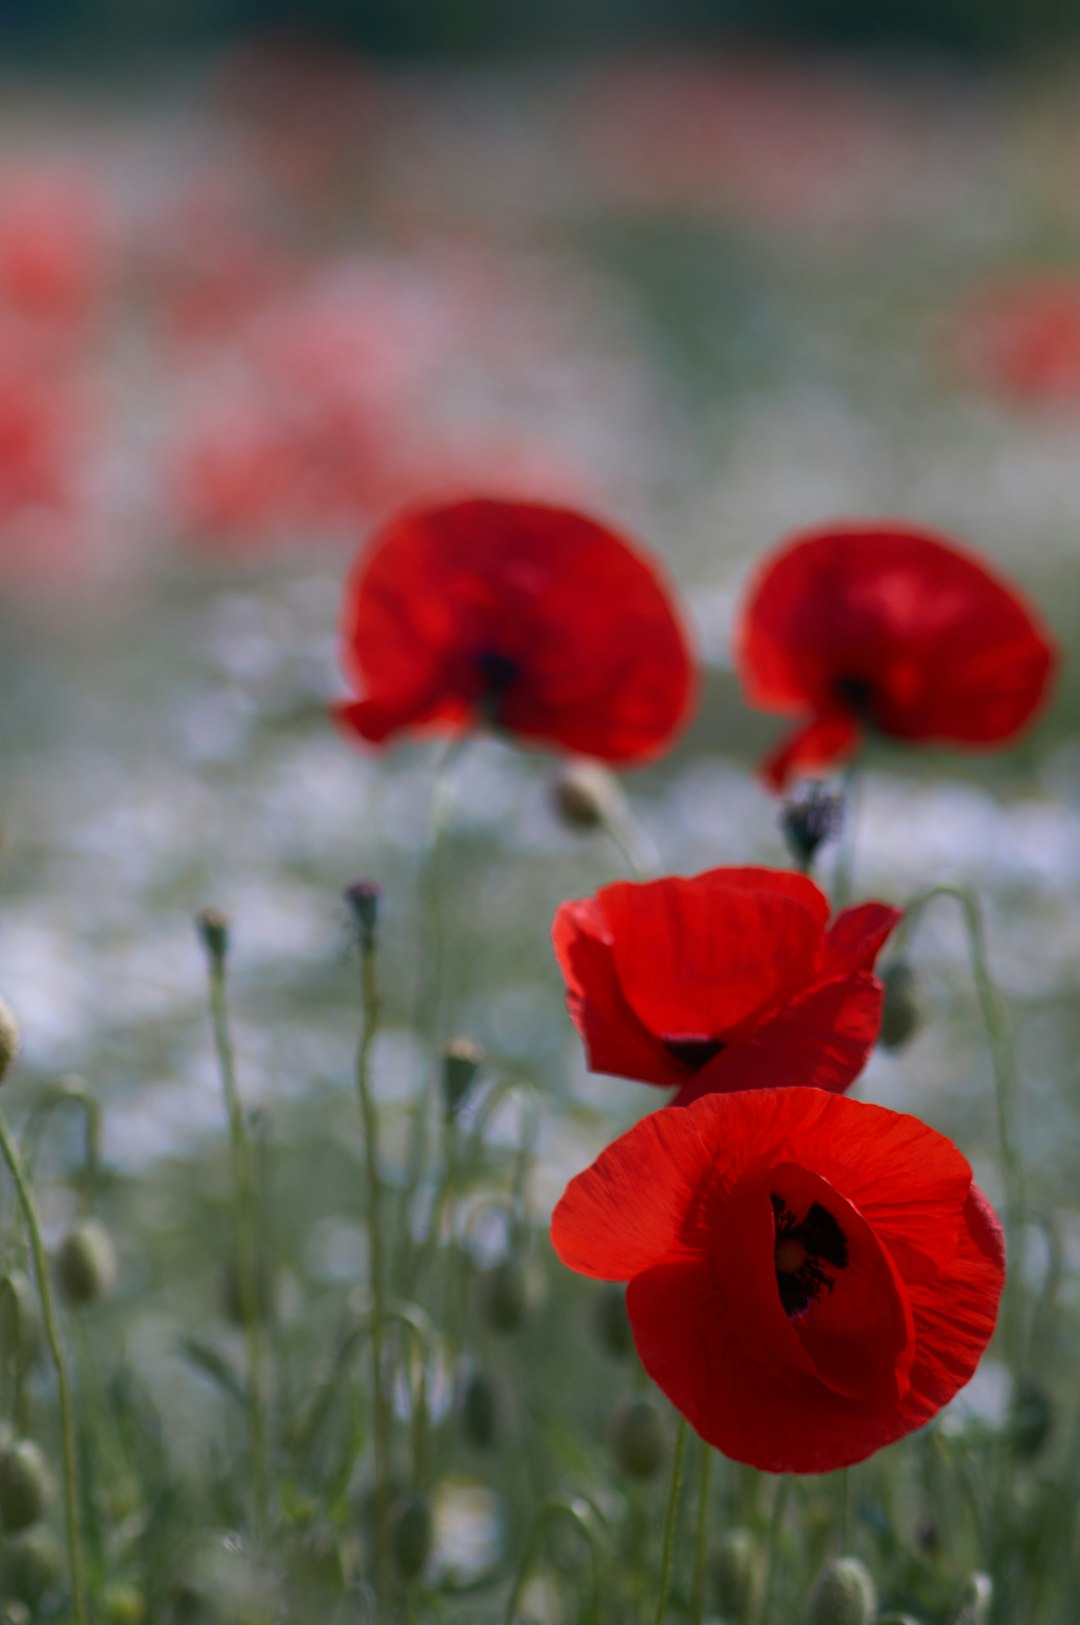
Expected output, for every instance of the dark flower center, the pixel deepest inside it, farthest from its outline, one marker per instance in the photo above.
(694, 1052)
(856, 694)
(802, 1250)
(497, 672)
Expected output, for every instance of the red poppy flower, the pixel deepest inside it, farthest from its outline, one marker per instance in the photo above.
(534, 619)
(810, 1277)
(732, 980)
(888, 628)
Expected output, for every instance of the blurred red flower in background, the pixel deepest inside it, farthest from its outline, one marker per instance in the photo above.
(731, 980)
(890, 629)
(54, 250)
(810, 1277)
(534, 620)
(1021, 338)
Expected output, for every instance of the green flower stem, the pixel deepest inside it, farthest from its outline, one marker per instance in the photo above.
(63, 1383)
(582, 1516)
(369, 992)
(701, 1540)
(772, 1542)
(629, 839)
(669, 1523)
(844, 873)
(247, 1262)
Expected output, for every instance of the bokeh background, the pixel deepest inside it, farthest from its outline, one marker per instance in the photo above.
(716, 272)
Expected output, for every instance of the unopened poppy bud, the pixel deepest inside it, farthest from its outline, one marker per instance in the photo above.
(901, 1013)
(124, 1605)
(20, 1321)
(585, 794)
(461, 1061)
(1031, 1416)
(506, 1295)
(638, 1440)
(737, 1569)
(975, 1601)
(809, 821)
(24, 1485)
(611, 1321)
(86, 1263)
(31, 1566)
(213, 928)
(411, 1535)
(363, 899)
(9, 1039)
(845, 1594)
(480, 1411)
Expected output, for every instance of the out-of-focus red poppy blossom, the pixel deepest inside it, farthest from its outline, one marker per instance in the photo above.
(889, 629)
(731, 980)
(535, 620)
(810, 1277)
(1021, 339)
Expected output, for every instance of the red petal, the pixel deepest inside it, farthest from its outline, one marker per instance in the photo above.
(857, 936)
(822, 1038)
(820, 744)
(615, 1040)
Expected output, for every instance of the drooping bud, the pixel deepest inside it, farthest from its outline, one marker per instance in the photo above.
(24, 1485)
(809, 821)
(86, 1263)
(410, 1535)
(845, 1594)
(611, 1322)
(213, 928)
(480, 1411)
(506, 1295)
(461, 1061)
(363, 899)
(638, 1440)
(1031, 1416)
(20, 1321)
(737, 1570)
(9, 1039)
(975, 1601)
(901, 1014)
(585, 795)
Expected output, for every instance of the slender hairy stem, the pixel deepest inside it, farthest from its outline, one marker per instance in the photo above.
(247, 1252)
(627, 835)
(844, 873)
(669, 1523)
(369, 991)
(701, 1539)
(772, 1542)
(63, 1383)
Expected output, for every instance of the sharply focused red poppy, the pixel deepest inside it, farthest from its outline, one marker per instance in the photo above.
(891, 629)
(810, 1277)
(731, 980)
(536, 620)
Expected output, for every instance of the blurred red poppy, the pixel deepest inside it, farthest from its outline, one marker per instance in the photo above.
(1021, 338)
(535, 620)
(889, 629)
(732, 980)
(810, 1277)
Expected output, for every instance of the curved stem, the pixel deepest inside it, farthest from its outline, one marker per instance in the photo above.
(72, 1092)
(669, 1523)
(630, 839)
(63, 1383)
(701, 1539)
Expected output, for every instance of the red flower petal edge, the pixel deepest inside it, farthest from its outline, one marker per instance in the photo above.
(538, 621)
(810, 1277)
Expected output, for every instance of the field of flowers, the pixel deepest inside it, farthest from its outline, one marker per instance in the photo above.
(438, 509)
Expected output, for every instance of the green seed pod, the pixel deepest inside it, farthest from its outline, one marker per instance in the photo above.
(585, 795)
(975, 1601)
(1031, 1416)
(480, 1411)
(461, 1061)
(901, 1013)
(213, 928)
(506, 1295)
(638, 1439)
(86, 1263)
(9, 1039)
(411, 1535)
(611, 1323)
(24, 1485)
(31, 1566)
(363, 898)
(124, 1605)
(737, 1571)
(20, 1319)
(845, 1594)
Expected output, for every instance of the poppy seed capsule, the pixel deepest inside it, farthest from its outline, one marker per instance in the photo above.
(737, 1571)
(9, 1039)
(411, 1535)
(611, 1321)
(20, 1322)
(24, 1485)
(461, 1061)
(480, 1411)
(901, 1012)
(810, 821)
(363, 898)
(638, 1442)
(213, 928)
(506, 1295)
(585, 795)
(975, 1600)
(845, 1594)
(86, 1263)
